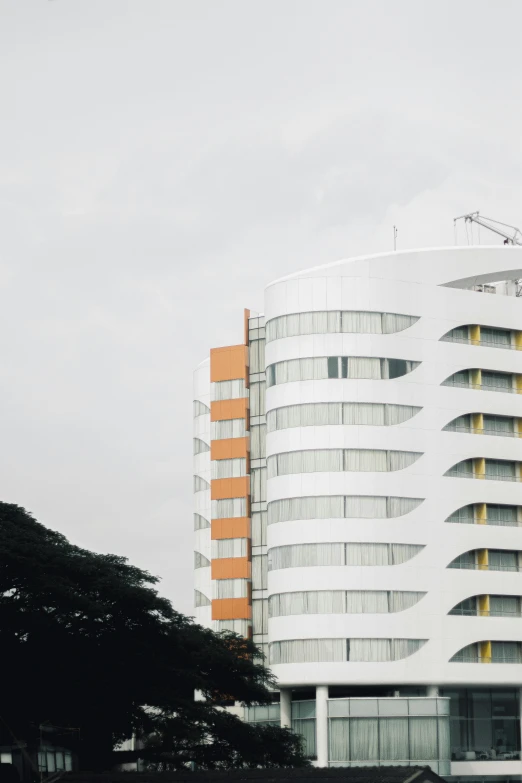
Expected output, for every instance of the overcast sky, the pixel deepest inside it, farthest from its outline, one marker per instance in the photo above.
(160, 162)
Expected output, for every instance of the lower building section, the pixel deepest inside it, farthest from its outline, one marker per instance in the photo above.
(462, 732)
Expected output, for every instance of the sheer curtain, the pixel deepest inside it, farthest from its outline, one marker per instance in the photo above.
(230, 588)
(497, 380)
(257, 397)
(501, 515)
(364, 739)
(228, 468)
(200, 561)
(401, 553)
(228, 508)
(501, 469)
(200, 484)
(259, 572)
(464, 515)
(199, 446)
(259, 528)
(423, 739)
(339, 737)
(393, 739)
(398, 507)
(320, 414)
(228, 390)
(200, 523)
(200, 599)
(199, 409)
(229, 547)
(497, 337)
(501, 425)
(304, 555)
(394, 322)
(228, 428)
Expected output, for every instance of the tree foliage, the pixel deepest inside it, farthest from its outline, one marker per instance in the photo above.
(88, 643)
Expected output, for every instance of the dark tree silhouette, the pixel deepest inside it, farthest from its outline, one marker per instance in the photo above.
(88, 643)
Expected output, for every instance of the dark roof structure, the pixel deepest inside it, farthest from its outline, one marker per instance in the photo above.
(276, 775)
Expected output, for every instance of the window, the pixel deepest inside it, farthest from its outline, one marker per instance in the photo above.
(341, 602)
(200, 446)
(335, 321)
(229, 390)
(257, 398)
(496, 381)
(505, 516)
(340, 506)
(241, 627)
(339, 650)
(257, 356)
(228, 468)
(464, 515)
(200, 523)
(462, 469)
(459, 335)
(318, 414)
(469, 654)
(230, 547)
(228, 428)
(259, 572)
(230, 588)
(505, 652)
(200, 484)
(200, 599)
(500, 338)
(465, 560)
(340, 554)
(498, 425)
(502, 470)
(319, 368)
(460, 424)
(460, 378)
(199, 409)
(504, 606)
(338, 460)
(468, 607)
(229, 508)
(200, 561)
(502, 560)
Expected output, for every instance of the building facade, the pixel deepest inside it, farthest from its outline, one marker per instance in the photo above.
(358, 506)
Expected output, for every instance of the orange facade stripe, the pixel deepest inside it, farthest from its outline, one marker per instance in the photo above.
(230, 528)
(229, 409)
(230, 568)
(238, 487)
(229, 448)
(228, 363)
(231, 609)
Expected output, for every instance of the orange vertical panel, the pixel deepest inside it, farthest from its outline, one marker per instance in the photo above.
(230, 568)
(231, 609)
(229, 488)
(229, 363)
(229, 448)
(246, 316)
(230, 528)
(229, 409)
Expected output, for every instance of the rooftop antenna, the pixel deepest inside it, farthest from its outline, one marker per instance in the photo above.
(513, 236)
(395, 237)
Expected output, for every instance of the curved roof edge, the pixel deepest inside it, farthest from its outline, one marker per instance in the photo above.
(396, 254)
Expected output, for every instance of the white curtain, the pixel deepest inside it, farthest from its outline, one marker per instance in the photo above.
(200, 522)
(366, 602)
(396, 414)
(398, 460)
(242, 627)
(339, 737)
(460, 378)
(259, 572)
(459, 334)
(423, 739)
(318, 507)
(497, 337)
(501, 470)
(401, 600)
(497, 380)
(398, 507)
(364, 367)
(367, 554)
(257, 398)
(468, 654)
(305, 555)
(228, 468)
(306, 728)
(365, 507)
(324, 602)
(502, 560)
(200, 484)
(501, 515)
(505, 652)
(259, 528)
(369, 650)
(200, 599)
(228, 428)
(229, 390)
(403, 648)
(199, 446)
(393, 739)
(308, 651)
(228, 508)
(504, 605)
(258, 485)
(499, 425)
(367, 460)
(258, 441)
(260, 615)
(257, 356)
(229, 547)
(200, 561)
(464, 515)
(361, 322)
(394, 322)
(401, 553)
(199, 408)
(444, 738)
(230, 588)
(364, 739)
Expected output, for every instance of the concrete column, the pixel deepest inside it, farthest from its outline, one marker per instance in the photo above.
(321, 724)
(432, 690)
(286, 708)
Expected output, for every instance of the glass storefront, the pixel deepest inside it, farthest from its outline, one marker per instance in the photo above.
(484, 724)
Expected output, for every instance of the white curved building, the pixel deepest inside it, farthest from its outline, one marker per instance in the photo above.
(391, 605)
